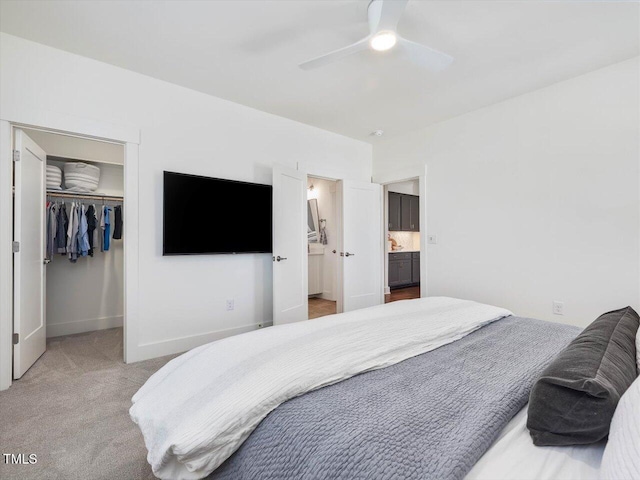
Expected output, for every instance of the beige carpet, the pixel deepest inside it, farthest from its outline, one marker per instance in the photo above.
(71, 410)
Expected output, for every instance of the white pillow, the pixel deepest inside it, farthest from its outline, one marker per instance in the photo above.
(621, 459)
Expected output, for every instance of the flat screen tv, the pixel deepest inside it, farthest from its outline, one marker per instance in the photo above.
(204, 215)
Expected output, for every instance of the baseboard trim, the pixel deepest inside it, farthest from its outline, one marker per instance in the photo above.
(81, 326)
(179, 345)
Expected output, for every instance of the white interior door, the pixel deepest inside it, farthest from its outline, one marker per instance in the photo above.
(29, 274)
(361, 248)
(290, 251)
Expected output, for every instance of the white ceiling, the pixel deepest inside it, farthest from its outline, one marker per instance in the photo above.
(248, 51)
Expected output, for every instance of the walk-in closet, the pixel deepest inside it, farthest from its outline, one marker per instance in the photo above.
(69, 202)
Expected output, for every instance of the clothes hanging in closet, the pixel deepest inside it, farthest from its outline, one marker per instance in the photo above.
(100, 229)
(107, 227)
(73, 229)
(52, 227)
(61, 231)
(83, 232)
(72, 234)
(117, 222)
(91, 227)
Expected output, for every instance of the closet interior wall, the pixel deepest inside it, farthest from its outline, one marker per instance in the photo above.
(86, 295)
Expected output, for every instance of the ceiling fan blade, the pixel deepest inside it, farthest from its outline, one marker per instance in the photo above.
(424, 56)
(385, 14)
(335, 55)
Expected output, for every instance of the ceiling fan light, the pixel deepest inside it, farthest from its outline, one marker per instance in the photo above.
(383, 41)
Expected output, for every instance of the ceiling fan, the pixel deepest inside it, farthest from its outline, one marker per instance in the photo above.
(383, 23)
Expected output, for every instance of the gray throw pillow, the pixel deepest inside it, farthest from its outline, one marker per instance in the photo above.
(574, 399)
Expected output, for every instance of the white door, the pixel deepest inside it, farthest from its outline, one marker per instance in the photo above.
(29, 276)
(290, 254)
(361, 248)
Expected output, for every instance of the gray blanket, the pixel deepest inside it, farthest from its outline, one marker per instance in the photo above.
(429, 417)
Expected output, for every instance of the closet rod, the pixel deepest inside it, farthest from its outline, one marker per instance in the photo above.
(51, 193)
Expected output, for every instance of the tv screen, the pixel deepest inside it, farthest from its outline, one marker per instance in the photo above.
(204, 215)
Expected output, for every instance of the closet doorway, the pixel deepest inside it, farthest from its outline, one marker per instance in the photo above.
(322, 240)
(69, 263)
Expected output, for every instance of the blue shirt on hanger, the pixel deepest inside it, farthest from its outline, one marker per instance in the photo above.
(107, 228)
(83, 236)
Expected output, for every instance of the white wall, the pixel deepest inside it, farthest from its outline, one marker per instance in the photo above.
(181, 299)
(325, 192)
(535, 199)
(87, 295)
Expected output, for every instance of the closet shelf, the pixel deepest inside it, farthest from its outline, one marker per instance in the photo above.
(93, 196)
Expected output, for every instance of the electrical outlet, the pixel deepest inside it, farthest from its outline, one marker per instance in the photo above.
(432, 239)
(230, 304)
(558, 308)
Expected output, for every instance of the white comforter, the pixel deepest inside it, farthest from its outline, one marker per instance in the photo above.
(198, 409)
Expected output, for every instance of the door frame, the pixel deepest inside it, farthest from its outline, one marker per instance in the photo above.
(53, 122)
(403, 175)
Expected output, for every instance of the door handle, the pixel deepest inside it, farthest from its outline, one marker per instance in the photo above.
(279, 258)
(333, 251)
(46, 261)
(349, 254)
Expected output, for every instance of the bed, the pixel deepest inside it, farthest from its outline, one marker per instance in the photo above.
(427, 388)
(513, 449)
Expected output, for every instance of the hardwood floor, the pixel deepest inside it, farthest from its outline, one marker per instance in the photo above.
(319, 307)
(402, 294)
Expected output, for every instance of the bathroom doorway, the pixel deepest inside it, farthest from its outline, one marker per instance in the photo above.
(322, 240)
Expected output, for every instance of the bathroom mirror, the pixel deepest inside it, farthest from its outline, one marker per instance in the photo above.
(313, 229)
